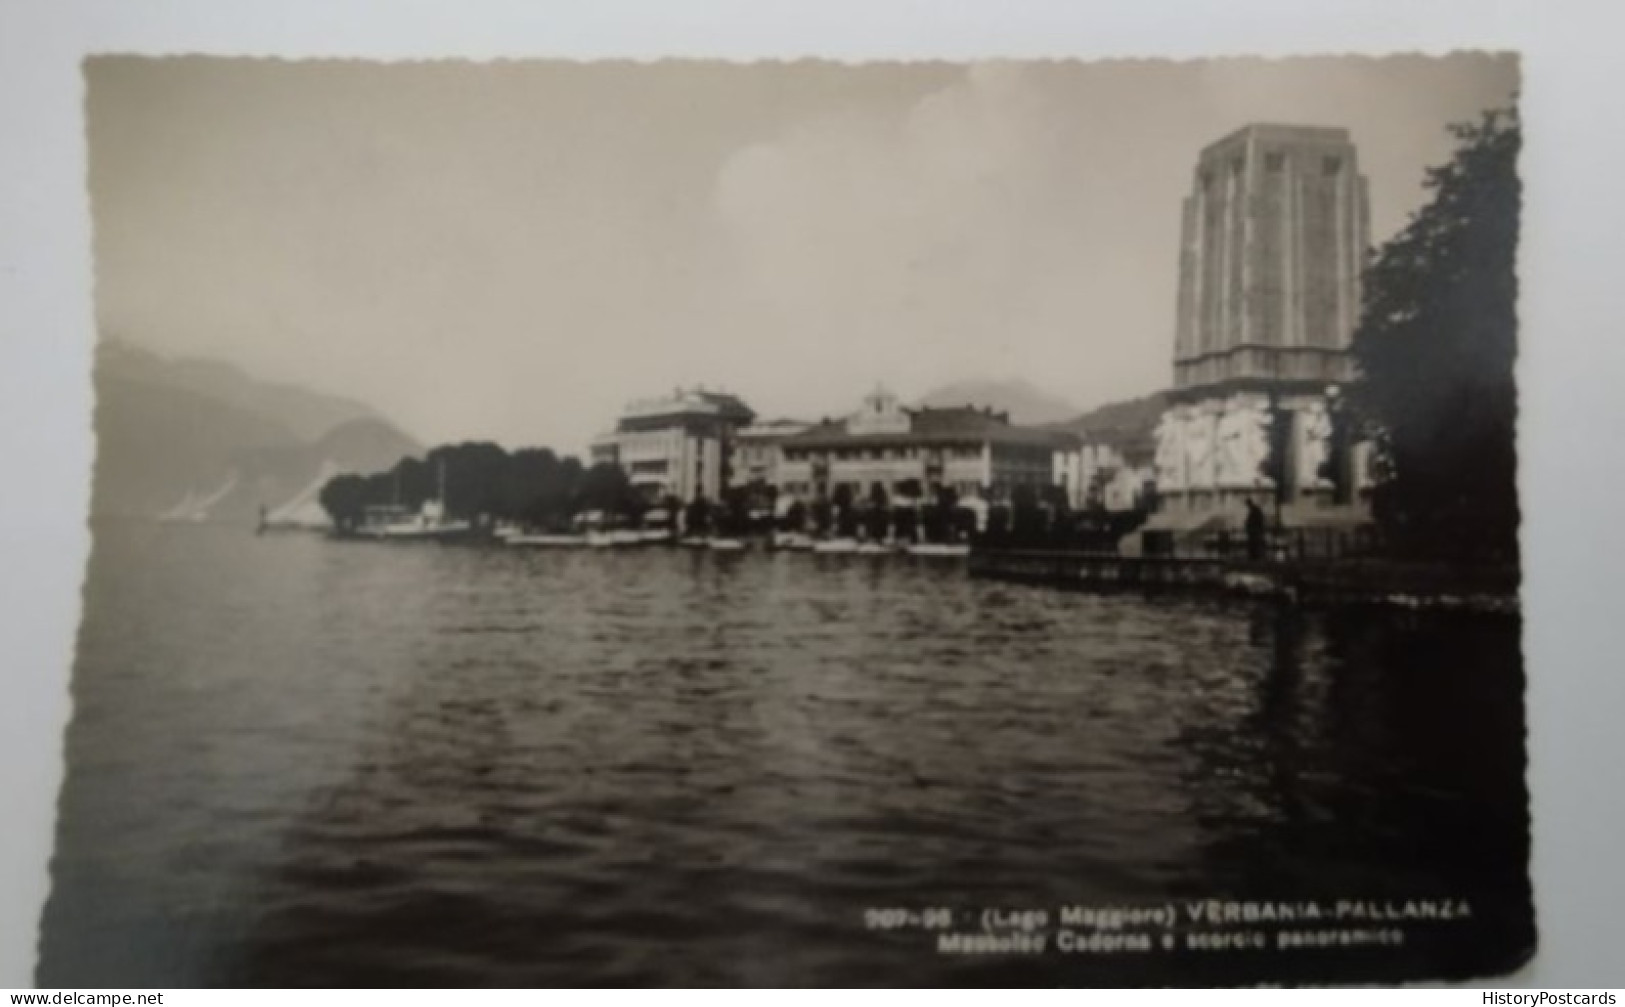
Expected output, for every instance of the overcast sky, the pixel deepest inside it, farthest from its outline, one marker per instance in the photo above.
(510, 251)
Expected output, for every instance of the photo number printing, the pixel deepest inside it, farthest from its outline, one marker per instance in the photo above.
(1197, 926)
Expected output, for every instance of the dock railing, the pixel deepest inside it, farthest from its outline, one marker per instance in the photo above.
(1285, 544)
(1318, 566)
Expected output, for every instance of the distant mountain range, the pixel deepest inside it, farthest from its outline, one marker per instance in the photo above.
(1026, 403)
(201, 440)
(204, 441)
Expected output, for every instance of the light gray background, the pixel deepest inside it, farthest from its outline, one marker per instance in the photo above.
(1572, 363)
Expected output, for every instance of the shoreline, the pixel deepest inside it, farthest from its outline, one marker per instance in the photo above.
(1309, 583)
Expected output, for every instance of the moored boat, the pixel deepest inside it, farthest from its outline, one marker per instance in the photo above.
(941, 549)
(617, 539)
(430, 523)
(836, 545)
(547, 540)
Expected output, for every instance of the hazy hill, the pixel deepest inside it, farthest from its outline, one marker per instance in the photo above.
(1129, 425)
(155, 444)
(308, 415)
(169, 430)
(1025, 402)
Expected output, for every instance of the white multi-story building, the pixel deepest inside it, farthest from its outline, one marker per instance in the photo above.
(758, 450)
(679, 446)
(1107, 472)
(975, 452)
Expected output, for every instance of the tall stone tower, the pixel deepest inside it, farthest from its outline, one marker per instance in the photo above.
(1274, 240)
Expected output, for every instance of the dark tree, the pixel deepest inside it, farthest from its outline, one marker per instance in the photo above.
(937, 521)
(962, 525)
(997, 532)
(536, 488)
(905, 522)
(408, 484)
(846, 516)
(734, 517)
(795, 517)
(1277, 447)
(877, 516)
(344, 497)
(605, 488)
(1058, 513)
(697, 517)
(532, 485)
(1337, 468)
(1027, 524)
(670, 507)
(823, 515)
(1094, 495)
(760, 498)
(1436, 347)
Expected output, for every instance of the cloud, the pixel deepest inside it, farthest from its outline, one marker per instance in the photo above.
(937, 229)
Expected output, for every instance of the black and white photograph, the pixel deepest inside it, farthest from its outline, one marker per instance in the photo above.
(704, 522)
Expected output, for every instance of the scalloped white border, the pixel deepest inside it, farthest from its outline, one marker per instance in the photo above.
(1571, 370)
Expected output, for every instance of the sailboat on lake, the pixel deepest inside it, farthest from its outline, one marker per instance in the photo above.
(431, 521)
(194, 509)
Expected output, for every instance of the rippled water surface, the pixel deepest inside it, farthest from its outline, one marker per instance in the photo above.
(298, 761)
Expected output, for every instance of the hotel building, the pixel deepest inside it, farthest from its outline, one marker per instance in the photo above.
(758, 450)
(976, 452)
(1107, 472)
(681, 445)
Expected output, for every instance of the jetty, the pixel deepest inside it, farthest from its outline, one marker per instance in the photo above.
(1312, 582)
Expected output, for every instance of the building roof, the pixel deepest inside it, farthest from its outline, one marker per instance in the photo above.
(689, 402)
(953, 425)
(767, 430)
(1280, 133)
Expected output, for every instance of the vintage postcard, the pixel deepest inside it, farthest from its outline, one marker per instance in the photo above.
(691, 522)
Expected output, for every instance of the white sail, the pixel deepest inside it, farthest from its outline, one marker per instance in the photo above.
(201, 511)
(194, 508)
(181, 510)
(304, 509)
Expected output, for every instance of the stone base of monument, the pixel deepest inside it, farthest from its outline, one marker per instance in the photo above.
(1213, 510)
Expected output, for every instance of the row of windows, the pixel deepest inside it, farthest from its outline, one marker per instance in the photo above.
(861, 490)
(860, 487)
(880, 454)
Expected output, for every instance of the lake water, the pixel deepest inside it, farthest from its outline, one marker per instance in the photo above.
(296, 761)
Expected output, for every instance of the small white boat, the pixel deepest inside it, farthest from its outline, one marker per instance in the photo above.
(836, 545)
(792, 540)
(431, 523)
(725, 545)
(654, 535)
(692, 542)
(424, 530)
(614, 539)
(874, 549)
(943, 549)
(554, 541)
